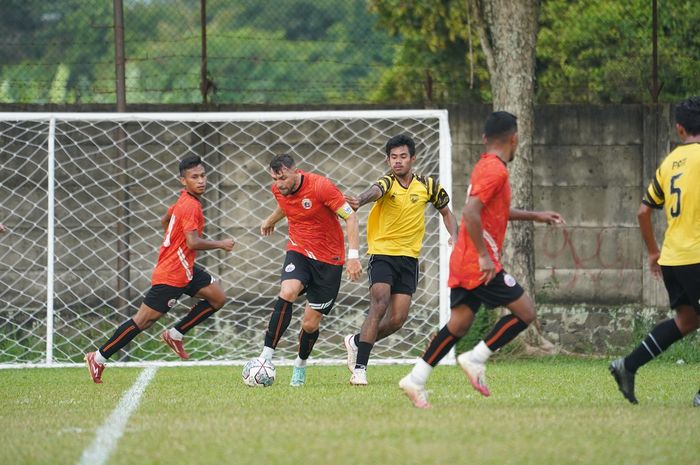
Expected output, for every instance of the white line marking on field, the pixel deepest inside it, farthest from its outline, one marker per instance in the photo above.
(107, 436)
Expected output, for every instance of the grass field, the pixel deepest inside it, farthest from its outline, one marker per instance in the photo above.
(547, 411)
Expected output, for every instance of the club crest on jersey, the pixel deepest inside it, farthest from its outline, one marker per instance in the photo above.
(509, 280)
(171, 303)
(414, 198)
(306, 203)
(289, 268)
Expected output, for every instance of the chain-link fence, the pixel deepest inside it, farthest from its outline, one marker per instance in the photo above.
(332, 52)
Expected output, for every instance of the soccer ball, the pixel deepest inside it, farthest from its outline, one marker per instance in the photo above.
(258, 372)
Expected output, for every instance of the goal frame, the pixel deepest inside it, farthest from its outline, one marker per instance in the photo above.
(445, 174)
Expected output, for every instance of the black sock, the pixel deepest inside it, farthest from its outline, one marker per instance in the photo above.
(439, 346)
(306, 343)
(659, 339)
(356, 338)
(279, 322)
(121, 337)
(363, 350)
(505, 331)
(197, 314)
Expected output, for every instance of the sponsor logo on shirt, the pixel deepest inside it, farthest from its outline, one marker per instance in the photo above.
(414, 198)
(306, 203)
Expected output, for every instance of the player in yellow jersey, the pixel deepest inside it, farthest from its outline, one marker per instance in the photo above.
(395, 230)
(676, 189)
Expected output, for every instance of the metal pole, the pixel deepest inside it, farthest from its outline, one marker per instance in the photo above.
(119, 54)
(204, 81)
(123, 255)
(655, 87)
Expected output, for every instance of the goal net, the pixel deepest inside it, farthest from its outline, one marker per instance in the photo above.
(83, 194)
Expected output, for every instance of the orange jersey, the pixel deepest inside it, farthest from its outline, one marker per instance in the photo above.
(314, 230)
(176, 260)
(490, 184)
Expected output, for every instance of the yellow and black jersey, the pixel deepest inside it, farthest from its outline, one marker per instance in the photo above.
(396, 223)
(676, 189)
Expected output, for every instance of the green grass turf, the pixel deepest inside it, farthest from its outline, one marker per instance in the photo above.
(546, 411)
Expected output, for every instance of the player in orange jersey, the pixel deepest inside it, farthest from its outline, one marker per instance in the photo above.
(315, 253)
(476, 274)
(175, 273)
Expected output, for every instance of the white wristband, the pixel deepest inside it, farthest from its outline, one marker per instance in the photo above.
(353, 253)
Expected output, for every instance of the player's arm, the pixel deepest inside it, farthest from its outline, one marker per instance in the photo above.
(268, 225)
(352, 230)
(647, 230)
(195, 242)
(548, 217)
(471, 215)
(370, 195)
(450, 222)
(165, 220)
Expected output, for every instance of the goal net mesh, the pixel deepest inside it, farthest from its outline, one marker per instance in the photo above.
(82, 200)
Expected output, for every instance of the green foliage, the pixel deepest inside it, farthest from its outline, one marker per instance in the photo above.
(433, 60)
(600, 52)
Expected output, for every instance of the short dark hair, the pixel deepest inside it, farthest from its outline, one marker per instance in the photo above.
(500, 124)
(688, 115)
(190, 161)
(279, 161)
(398, 141)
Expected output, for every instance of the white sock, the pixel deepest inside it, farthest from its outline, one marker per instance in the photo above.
(267, 353)
(299, 363)
(175, 334)
(421, 372)
(99, 358)
(481, 353)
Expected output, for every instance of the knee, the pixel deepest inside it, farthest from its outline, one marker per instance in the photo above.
(396, 321)
(310, 326)
(217, 302)
(687, 322)
(143, 323)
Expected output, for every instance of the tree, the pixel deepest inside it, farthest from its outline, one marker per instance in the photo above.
(508, 33)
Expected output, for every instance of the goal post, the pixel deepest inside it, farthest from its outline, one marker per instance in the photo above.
(83, 194)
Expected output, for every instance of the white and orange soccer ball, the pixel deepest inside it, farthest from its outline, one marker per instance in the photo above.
(258, 372)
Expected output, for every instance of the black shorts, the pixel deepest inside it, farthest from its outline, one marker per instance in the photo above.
(683, 285)
(501, 291)
(162, 297)
(398, 271)
(321, 280)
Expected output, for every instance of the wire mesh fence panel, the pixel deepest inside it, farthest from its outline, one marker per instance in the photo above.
(84, 226)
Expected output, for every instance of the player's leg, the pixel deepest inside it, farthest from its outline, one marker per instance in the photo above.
(144, 319)
(461, 318)
(295, 274)
(204, 287)
(396, 315)
(308, 335)
(380, 297)
(503, 290)
(321, 292)
(683, 286)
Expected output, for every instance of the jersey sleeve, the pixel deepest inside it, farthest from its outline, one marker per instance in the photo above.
(654, 195)
(438, 195)
(330, 195)
(384, 183)
(486, 181)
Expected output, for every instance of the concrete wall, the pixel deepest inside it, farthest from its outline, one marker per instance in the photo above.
(591, 163)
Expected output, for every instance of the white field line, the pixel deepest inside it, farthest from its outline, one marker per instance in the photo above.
(107, 436)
